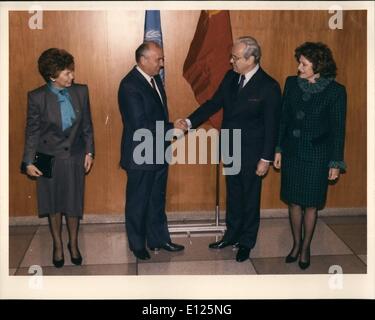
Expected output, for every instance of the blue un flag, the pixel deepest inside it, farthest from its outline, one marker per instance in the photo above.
(153, 31)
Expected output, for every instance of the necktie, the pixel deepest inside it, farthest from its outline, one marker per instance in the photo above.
(154, 86)
(240, 84)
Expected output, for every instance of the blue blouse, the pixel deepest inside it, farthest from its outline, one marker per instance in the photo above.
(66, 108)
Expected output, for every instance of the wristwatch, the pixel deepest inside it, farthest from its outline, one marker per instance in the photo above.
(91, 155)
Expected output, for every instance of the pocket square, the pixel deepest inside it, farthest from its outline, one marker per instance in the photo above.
(253, 99)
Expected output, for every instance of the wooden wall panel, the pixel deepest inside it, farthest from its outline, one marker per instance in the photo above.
(103, 44)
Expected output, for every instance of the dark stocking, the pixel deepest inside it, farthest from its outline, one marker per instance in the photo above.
(295, 219)
(55, 228)
(309, 223)
(73, 226)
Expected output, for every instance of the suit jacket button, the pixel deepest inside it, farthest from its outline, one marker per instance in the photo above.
(296, 133)
(300, 115)
(44, 141)
(66, 148)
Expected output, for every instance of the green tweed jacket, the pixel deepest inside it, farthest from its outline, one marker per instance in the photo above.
(312, 124)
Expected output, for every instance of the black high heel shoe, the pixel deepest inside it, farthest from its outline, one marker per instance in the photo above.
(57, 263)
(76, 261)
(289, 258)
(305, 264)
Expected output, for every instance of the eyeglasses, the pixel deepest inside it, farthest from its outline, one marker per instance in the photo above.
(235, 58)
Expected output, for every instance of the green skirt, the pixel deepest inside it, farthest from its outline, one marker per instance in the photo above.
(304, 183)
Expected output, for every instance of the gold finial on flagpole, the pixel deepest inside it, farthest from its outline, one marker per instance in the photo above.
(212, 12)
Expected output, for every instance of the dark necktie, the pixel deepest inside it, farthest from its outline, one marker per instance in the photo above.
(156, 91)
(240, 84)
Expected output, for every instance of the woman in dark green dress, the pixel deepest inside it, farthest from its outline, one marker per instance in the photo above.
(311, 142)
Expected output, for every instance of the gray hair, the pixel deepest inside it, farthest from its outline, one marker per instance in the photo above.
(252, 48)
(143, 49)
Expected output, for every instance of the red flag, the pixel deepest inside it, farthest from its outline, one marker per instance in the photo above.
(208, 57)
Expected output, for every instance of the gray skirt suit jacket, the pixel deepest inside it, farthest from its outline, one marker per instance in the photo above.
(64, 191)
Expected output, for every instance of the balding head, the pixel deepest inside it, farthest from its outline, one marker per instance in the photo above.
(150, 58)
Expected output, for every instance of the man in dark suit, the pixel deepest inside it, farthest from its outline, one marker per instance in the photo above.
(250, 99)
(143, 105)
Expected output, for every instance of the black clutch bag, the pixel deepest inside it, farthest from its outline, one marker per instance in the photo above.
(44, 162)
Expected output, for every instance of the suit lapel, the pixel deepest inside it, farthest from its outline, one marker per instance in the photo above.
(234, 86)
(52, 108)
(75, 101)
(147, 87)
(159, 83)
(252, 83)
(250, 89)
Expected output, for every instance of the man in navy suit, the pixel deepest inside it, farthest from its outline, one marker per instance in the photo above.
(251, 100)
(143, 105)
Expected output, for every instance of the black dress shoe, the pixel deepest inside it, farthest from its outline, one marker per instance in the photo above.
(243, 254)
(76, 261)
(221, 244)
(57, 263)
(169, 246)
(142, 254)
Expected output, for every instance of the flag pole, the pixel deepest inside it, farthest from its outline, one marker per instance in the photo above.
(217, 209)
(209, 49)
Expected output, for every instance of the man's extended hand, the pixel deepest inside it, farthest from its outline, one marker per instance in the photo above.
(181, 124)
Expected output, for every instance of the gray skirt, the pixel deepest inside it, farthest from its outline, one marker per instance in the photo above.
(63, 193)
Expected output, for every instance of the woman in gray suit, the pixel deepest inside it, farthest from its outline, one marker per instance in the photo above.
(59, 124)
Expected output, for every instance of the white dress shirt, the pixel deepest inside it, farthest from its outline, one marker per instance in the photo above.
(249, 75)
(148, 78)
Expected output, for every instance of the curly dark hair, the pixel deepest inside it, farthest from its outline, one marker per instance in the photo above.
(52, 61)
(320, 56)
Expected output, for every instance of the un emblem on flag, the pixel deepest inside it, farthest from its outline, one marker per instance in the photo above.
(153, 35)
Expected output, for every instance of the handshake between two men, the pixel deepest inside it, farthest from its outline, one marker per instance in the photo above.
(181, 124)
(246, 110)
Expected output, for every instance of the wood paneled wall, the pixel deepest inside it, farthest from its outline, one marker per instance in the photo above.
(103, 44)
